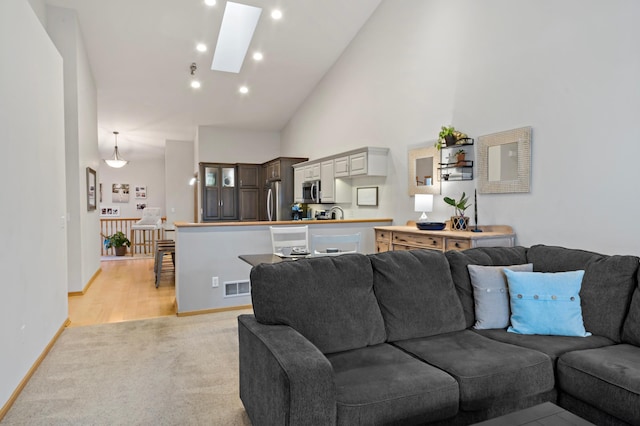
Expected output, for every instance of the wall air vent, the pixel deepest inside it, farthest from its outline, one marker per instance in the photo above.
(237, 288)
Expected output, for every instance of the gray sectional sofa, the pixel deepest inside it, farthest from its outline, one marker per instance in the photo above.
(389, 338)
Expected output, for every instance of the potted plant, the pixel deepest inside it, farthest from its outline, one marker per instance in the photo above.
(460, 155)
(459, 222)
(448, 136)
(119, 242)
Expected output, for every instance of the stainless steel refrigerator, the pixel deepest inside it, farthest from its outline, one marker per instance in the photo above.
(278, 192)
(276, 208)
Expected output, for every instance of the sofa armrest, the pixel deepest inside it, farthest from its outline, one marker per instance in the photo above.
(284, 378)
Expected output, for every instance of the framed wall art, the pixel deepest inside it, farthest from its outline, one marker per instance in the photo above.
(367, 196)
(141, 191)
(91, 189)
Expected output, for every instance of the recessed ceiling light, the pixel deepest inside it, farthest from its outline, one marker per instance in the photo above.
(210, 2)
(201, 47)
(258, 56)
(243, 89)
(276, 14)
(238, 24)
(195, 84)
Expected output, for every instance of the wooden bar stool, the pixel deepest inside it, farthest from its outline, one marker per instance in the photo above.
(163, 247)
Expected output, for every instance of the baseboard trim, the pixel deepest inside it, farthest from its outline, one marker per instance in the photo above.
(213, 311)
(86, 287)
(12, 399)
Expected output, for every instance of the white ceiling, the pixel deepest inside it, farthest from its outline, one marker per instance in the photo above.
(140, 52)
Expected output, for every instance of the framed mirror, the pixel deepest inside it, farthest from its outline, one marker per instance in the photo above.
(423, 171)
(504, 161)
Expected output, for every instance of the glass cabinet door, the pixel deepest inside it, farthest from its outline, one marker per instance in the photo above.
(211, 176)
(228, 177)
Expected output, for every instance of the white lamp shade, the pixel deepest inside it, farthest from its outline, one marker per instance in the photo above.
(424, 202)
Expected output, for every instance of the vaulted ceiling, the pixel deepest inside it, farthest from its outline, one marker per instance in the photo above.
(140, 52)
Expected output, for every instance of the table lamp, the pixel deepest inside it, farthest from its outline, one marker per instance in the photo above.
(423, 203)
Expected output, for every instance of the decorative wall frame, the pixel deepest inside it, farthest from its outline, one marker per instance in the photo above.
(120, 193)
(497, 149)
(110, 211)
(91, 189)
(419, 183)
(367, 196)
(141, 191)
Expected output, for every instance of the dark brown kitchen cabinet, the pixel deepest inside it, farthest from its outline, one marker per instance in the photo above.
(272, 170)
(249, 204)
(219, 192)
(249, 176)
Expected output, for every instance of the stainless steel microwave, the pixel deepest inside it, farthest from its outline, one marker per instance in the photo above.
(311, 191)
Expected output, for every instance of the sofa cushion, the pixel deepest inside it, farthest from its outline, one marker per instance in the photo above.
(415, 294)
(607, 378)
(546, 303)
(491, 294)
(382, 384)
(329, 300)
(631, 329)
(606, 287)
(486, 370)
(553, 346)
(487, 256)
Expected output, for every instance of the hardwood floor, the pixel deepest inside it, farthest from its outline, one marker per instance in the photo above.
(124, 290)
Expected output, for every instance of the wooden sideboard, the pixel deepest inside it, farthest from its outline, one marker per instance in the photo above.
(409, 237)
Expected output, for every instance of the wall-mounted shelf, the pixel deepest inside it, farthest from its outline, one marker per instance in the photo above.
(456, 171)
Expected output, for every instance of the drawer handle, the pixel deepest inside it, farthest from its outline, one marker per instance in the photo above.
(433, 242)
(457, 245)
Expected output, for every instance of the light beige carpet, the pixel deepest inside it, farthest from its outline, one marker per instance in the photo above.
(163, 371)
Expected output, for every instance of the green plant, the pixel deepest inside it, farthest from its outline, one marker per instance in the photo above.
(444, 132)
(459, 206)
(449, 132)
(116, 240)
(460, 151)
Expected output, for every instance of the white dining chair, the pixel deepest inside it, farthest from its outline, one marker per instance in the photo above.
(290, 239)
(332, 245)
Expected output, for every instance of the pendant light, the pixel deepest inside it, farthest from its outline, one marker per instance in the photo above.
(117, 161)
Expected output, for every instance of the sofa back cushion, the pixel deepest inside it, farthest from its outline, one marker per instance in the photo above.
(416, 294)
(329, 300)
(631, 328)
(486, 256)
(606, 287)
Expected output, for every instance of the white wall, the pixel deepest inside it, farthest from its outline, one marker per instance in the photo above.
(178, 170)
(219, 145)
(33, 256)
(149, 173)
(565, 68)
(81, 145)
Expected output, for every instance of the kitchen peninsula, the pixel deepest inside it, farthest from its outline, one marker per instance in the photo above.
(211, 277)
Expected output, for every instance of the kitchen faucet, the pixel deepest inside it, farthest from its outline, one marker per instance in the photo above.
(332, 210)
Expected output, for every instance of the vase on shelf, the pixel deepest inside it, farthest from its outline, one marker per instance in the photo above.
(450, 140)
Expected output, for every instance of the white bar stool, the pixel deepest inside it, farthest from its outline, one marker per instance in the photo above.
(151, 221)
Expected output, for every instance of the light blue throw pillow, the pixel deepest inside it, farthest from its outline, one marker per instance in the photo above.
(546, 303)
(491, 294)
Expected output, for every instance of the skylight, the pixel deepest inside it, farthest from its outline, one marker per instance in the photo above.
(238, 24)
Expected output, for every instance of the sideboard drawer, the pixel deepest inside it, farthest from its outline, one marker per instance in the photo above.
(454, 244)
(417, 240)
(383, 236)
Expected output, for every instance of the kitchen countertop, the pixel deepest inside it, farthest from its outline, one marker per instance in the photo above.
(280, 222)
